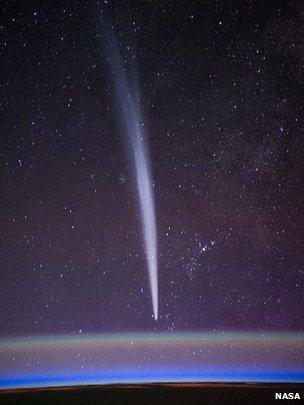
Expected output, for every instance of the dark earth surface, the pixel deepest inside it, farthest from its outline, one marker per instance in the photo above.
(207, 393)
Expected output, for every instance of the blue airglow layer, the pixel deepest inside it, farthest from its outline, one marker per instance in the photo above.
(151, 358)
(156, 377)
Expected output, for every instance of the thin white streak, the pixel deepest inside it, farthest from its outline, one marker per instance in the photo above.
(128, 100)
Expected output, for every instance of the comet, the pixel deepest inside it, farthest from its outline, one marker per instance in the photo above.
(127, 89)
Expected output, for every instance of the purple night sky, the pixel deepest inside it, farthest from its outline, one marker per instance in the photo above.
(216, 90)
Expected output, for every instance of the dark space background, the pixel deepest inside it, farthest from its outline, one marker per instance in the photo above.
(222, 94)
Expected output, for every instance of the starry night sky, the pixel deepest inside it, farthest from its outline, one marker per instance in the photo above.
(222, 94)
